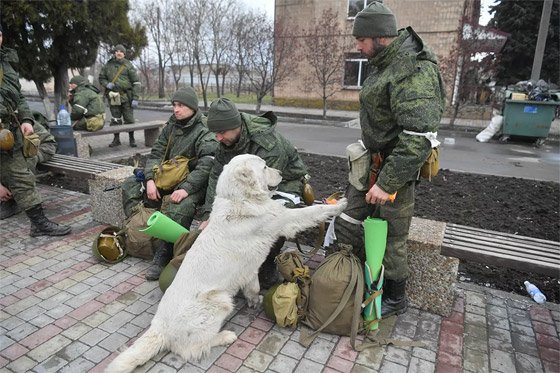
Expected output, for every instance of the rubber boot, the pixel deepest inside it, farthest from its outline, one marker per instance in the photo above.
(41, 226)
(394, 298)
(268, 274)
(116, 141)
(8, 208)
(131, 140)
(162, 257)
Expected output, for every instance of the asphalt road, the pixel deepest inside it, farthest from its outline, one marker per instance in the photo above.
(459, 150)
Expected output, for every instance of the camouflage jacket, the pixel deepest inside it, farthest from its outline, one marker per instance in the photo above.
(10, 96)
(127, 81)
(86, 102)
(259, 137)
(403, 91)
(191, 139)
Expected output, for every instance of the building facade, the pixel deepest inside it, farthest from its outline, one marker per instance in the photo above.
(436, 22)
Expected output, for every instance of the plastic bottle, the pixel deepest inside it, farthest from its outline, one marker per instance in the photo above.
(537, 295)
(63, 118)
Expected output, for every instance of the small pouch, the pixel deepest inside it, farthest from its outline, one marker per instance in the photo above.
(31, 145)
(359, 162)
(95, 123)
(114, 98)
(430, 168)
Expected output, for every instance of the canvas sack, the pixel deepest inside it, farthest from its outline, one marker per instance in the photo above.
(139, 244)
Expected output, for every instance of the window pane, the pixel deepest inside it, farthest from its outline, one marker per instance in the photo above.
(364, 74)
(370, 1)
(351, 73)
(354, 6)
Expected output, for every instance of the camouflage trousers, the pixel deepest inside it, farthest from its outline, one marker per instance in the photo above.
(182, 212)
(16, 176)
(121, 114)
(398, 216)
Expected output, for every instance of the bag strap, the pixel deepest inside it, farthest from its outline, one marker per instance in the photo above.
(168, 144)
(305, 339)
(319, 242)
(118, 73)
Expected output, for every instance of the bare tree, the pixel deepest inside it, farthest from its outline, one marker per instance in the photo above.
(326, 58)
(241, 31)
(271, 56)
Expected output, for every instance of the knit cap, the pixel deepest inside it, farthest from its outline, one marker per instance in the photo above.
(78, 80)
(375, 21)
(186, 96)
(120, 47)
(223, 115)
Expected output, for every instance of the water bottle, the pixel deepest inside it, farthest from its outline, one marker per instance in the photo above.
(63, 118)
(537, 295)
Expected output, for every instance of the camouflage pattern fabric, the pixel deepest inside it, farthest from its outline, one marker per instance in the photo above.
(259, 137)
(191, 139)
(127, 84)
(403, 91)
(86, 102)
(16, 176)
(47, 146)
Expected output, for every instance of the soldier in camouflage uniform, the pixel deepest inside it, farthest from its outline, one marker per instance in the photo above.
(126, 85)
(88, 112)
(403, 92)
(187, 135)
(17, 183)
(241, 133)
(47, 145)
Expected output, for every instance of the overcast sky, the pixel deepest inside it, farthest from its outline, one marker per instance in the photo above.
(266, 5)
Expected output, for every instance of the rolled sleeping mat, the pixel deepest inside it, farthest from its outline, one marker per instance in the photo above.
(371, 313)
(160, 226)
(375, 235)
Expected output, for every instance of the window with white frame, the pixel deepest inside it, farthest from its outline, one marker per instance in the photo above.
(355, 6)
(354, 70)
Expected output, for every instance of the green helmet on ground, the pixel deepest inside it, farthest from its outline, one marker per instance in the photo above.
(166, 277)
(108, 245)
(267, 301)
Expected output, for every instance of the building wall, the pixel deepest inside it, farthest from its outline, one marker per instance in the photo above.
(435, 21)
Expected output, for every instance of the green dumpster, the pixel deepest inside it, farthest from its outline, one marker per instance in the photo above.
(528, 118)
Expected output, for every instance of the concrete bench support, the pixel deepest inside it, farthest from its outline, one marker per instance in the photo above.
(106, 207)
(432, 278)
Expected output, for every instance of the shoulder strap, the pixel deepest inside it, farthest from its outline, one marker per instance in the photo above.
(167, 148)
(118, 73)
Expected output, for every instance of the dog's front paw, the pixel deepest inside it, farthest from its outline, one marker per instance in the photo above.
(342, 204)
(255, 302)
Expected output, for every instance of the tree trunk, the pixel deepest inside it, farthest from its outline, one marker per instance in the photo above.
(217, 74)
(50, 114)
(223, 83)
(239, 83)
(259, 102)
(324, 108)
(60, 86)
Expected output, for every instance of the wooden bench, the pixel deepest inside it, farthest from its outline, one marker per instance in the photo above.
(80, 167)
(151, 130)
(505, 250)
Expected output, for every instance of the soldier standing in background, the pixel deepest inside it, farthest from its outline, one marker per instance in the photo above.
(88, 111)
(401, 104)
(120, 79)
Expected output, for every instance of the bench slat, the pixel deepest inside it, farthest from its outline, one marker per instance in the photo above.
(502, 249)
(154, 124)
(504, 260)
(80, 167)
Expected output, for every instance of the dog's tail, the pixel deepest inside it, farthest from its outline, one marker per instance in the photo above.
(146, 347)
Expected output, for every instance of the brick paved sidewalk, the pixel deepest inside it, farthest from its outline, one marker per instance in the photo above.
(63, 311)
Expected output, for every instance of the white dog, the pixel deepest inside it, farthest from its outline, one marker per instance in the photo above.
(224, 259)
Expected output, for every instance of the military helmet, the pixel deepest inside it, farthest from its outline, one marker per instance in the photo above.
(267, 301)
(6, 139)
(108, 245)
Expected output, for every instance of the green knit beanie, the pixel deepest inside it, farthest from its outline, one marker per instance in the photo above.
(186, 96)
(375, 21)
(78, 80)
(223, 115)
(120, 47)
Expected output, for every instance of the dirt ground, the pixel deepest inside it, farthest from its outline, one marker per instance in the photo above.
(510, 205)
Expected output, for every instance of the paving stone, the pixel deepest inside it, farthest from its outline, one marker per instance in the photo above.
(499, 334)
(59, 311)
(215, 353)
(475, 309)
(23, 364)
(81, 299)
(544, 328)
(143, 320)
(11, 323)
(502, 361)
(363, 369)
(420, 366)
(78, 365)
(72, 351)
(22, 305)
(371, 357)
(96, 319)
(293, 349)
(496, 310)
(498, 322)
(404, 329)
(424, 354)
(475, 360)
(137, 308)
(397, 355)
(540, 314)
(524, 344)
(258, 360)
(320, 350)
(49, 348)
(116, 321)
(173, 360)
(527, 363)
(473, 318)
(115, 307)
(520, 317)
(76, 331)
(525, 330)
(307, 366)
(390, 367)
(22, 331)
(272, 343)
(96, 354)
(55, 300)
(14, 351)
(94, 337)
(42, 321)
(500, 345)
(53, 364)
(40, 336)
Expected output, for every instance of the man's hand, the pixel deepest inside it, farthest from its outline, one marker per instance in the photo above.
(151, 191)
(178, 195)
(5, 194)
(27, 128)
(203, 225)
(376, 195)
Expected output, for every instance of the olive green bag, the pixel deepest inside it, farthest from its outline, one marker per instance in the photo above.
(171, 171)
(137, 243)
(31, 145)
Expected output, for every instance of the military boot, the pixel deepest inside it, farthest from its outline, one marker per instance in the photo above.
(116, 141)
(394, 298)
(162, 257)
(41, 226)
(8, 208)
(131, 140)
(268, 274)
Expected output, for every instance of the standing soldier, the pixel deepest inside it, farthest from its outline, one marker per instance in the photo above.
(17, 183)
(401, 104)
(88, 112)
(120, 79)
